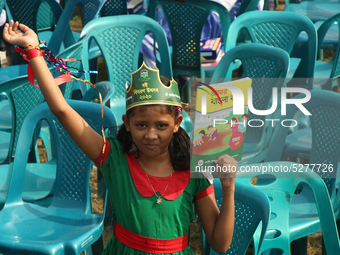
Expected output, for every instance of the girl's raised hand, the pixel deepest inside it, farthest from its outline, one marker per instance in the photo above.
(226, 168)
(27, 37)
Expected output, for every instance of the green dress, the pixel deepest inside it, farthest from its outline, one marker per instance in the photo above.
(134, 202)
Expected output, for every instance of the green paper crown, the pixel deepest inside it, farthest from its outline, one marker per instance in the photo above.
(146, 88)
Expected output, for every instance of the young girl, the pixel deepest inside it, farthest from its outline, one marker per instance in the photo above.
(145, 168)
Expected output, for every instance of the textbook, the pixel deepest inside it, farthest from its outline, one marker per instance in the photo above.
(134, 6)
(210, 49)
(220, 121)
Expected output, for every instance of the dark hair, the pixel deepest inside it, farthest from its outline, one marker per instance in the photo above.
(210, 126)
(202, 132)
(179, 146)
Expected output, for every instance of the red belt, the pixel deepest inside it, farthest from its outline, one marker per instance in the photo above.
(150, 245)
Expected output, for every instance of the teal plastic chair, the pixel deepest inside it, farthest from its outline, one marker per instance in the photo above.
(299, 144)
(268, 67)
(76, 51)
(281, 30)
(327, 73)
(305, 215)
(58, 37)
(40, 15)
(68, 225)
(252, 213)
(13, 111)
(21, 98)
(186, 20)
(63, 33)
(119, 39)
(314, 10)
(114, 7)
(328, 38)
(280, 188)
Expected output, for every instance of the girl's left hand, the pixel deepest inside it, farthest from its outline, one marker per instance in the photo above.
(226, 168)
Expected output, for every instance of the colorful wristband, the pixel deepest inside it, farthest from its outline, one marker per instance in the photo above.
(32, 53)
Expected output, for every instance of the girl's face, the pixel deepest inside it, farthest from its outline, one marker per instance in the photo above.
(152, 129)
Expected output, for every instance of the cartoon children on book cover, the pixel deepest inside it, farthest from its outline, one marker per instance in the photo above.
(218, 127)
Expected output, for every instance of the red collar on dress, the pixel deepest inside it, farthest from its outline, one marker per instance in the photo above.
(177, 185)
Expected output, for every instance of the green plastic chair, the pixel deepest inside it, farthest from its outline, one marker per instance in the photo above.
(252, 213)
(268, 67)
(304, 213)
(280, 29)
(186, 20)
(119, 39)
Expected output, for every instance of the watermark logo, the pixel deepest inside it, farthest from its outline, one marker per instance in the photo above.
(238, 100)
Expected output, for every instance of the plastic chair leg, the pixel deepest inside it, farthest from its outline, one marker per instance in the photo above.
(299, 246)
(98, 247)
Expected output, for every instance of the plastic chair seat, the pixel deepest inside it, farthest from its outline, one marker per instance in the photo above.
(324, 70)
(39, 182)
(75, 227)
(10, 72)
(303, 214)
(293, 64)
(315, 10)
(252, 152)
(298, 144)
(330, 41)
(284, 204)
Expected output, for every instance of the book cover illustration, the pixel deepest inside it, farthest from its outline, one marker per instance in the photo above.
(217, 130)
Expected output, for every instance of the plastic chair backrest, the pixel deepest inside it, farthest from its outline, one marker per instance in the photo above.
(325, 123)
(26, 12)
(267, 66)
(22, 98)
(251, 207)
(321, 34)
(119, 39)
(62, 32)
(114, 7)
(186, 20)
(36, 14)
(278, 29)
(250, 5)
(73, 167)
